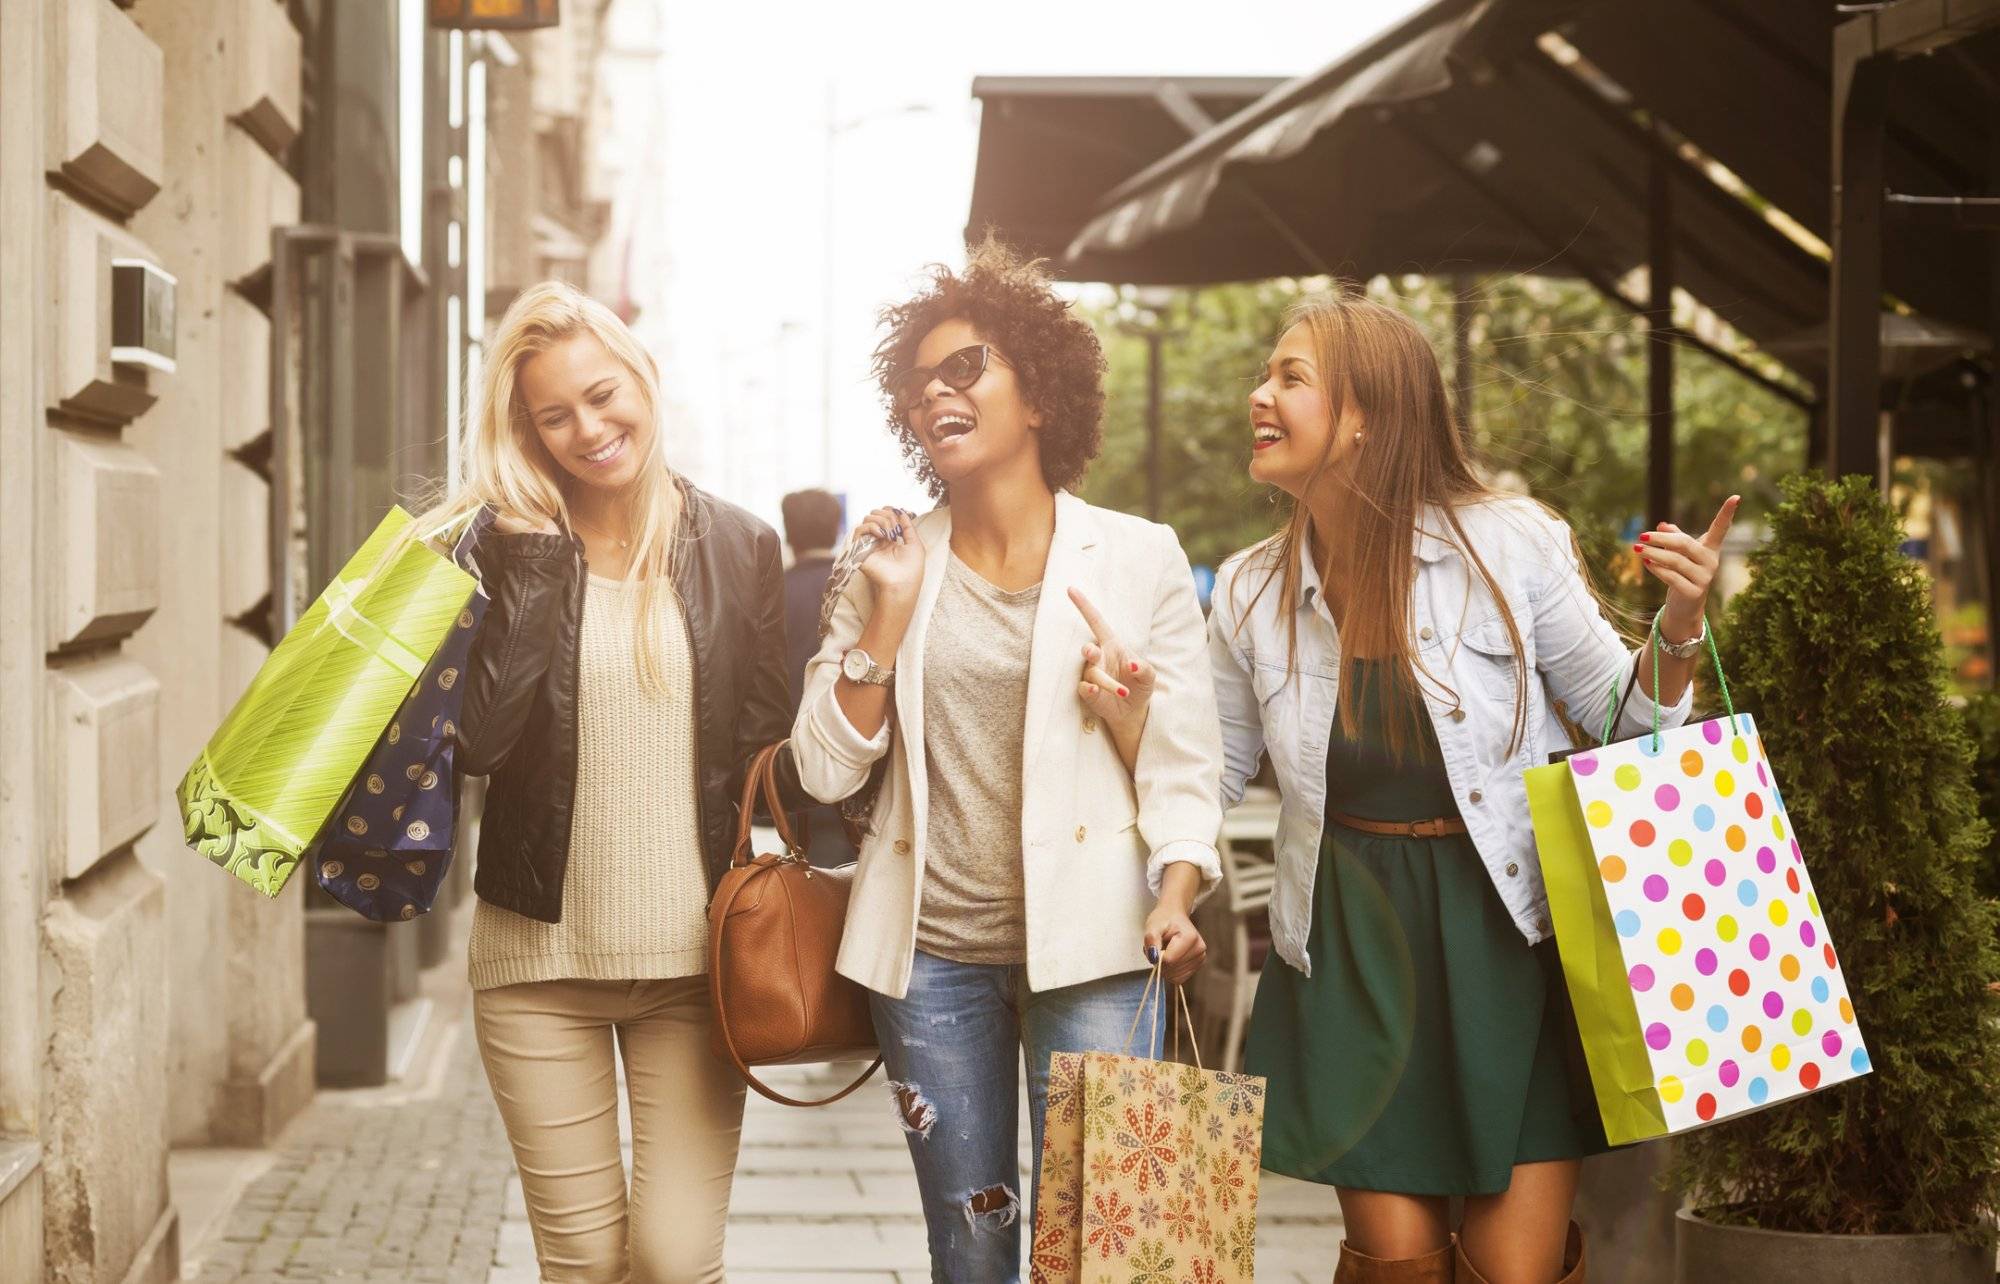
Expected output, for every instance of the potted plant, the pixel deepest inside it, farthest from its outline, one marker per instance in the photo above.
(1891, 1176)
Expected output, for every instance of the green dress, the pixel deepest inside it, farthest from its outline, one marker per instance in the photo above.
(1433, 1048)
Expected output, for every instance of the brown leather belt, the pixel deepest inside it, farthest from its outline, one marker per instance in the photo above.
(1437, 827)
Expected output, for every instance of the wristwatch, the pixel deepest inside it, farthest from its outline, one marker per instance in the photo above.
(1680, 650)
(858, 666)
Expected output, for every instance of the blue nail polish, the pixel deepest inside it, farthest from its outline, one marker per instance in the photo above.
(1152, 954)
(899, 531)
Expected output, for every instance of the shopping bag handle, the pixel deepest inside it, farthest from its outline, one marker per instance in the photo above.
(1156, 990)
(1653, 641)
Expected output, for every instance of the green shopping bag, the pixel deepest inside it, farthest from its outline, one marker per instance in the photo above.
(279, 764)
(1593, 966)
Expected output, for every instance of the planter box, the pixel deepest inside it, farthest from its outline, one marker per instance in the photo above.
(1710, 1253)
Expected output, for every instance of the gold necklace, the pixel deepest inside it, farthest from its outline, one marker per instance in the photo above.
(589, 526)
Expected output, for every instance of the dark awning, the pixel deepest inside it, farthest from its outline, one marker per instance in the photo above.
(1750, 81)
(1463, 141)
(1466, 147)
(1050, 147)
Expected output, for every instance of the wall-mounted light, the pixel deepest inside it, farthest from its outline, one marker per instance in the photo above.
(498, 15)
(142, 315)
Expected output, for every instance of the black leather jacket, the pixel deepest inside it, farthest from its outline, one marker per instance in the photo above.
(519, 720)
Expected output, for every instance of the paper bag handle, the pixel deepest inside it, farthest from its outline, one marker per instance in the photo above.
(1653, 641)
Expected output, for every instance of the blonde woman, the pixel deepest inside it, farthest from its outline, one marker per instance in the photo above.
(632, 659)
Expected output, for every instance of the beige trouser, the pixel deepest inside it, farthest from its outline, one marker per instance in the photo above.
(547, 1048)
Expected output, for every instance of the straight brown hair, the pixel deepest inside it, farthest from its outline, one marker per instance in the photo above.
(1414, 456)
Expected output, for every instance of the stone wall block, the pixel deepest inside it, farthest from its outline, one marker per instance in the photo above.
(105, 131)
(263, 52)
(103, 551)
(246, 393)
(263, 196)
(20, 1209)
(105, 1079)
(104, 731)
(246, 538)
(83, 380)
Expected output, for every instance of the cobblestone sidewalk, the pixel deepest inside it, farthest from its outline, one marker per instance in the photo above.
(387, 1184)
(415, 1183)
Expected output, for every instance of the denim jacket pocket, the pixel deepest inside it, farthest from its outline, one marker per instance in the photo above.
(1488, 659)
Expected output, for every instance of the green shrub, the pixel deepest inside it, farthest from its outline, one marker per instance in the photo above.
(1982, 723)
(1835, 649)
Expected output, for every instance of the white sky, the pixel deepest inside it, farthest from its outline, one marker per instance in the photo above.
(732, 236)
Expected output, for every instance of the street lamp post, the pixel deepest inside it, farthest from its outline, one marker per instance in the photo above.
(834, 129)
(1149, 304)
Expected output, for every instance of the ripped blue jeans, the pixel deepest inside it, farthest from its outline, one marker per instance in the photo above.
(952, 1048)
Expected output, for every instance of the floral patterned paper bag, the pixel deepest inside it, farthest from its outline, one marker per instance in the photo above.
(1149, 1172)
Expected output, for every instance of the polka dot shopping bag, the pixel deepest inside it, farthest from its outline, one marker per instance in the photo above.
(1704, 980)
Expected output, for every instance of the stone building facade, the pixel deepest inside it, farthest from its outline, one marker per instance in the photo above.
(144, 1002)
(152, 155)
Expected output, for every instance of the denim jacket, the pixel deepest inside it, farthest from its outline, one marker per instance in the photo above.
(1574, 657)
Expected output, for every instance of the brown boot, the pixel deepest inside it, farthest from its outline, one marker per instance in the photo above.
(1572, 1261)
(1359, 1268)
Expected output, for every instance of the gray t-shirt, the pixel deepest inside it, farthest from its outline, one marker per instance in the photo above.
(975, 713)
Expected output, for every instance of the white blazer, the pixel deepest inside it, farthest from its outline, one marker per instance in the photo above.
(1093, 841)
(1272, 702)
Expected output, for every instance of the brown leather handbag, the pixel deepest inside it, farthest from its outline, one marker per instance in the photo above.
(774, 929)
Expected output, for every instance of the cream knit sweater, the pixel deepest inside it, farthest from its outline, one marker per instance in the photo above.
(634, 901)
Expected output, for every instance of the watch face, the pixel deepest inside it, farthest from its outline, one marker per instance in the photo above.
(855, 665)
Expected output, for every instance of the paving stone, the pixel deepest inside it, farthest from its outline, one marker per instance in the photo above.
(394, 1186)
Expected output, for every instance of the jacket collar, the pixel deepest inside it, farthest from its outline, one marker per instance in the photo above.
(1431, 543)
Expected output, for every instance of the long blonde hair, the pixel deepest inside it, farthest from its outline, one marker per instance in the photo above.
(1375, 359)
(509, 470)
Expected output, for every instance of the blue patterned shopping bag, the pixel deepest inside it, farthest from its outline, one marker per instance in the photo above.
(387, 847)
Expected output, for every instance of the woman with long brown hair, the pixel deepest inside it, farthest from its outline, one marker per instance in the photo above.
(1399, 648)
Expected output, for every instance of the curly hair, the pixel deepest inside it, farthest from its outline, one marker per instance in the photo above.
(1054, 353)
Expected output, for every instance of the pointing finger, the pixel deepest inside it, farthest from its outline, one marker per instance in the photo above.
(1719, 528)
(1098, 628)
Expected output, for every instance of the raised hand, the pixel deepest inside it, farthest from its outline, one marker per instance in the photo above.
(1686, 564)
(1117, 685)
(896, 566)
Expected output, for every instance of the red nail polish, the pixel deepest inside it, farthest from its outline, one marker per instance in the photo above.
(1135, 666)
(1122, 691)
(1644, 536)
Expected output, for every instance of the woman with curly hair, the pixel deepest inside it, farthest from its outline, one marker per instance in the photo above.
(1033, 845)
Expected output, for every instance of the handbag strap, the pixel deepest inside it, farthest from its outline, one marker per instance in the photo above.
(729, 1040)
(763, 774)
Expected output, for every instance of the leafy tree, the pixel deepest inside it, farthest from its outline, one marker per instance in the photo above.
(1559, 402)
(1835, 647)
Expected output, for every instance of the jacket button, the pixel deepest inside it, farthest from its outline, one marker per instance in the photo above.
(1424, 633)
(1458, 715)
(1513, 870)
(902, 847)
(1089, 725)
(1542, 926)
(1475, 796)
(1079, 833)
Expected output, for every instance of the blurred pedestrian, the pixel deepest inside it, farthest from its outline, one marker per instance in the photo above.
(1013, 883)
(812, 527)
(630, 664)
